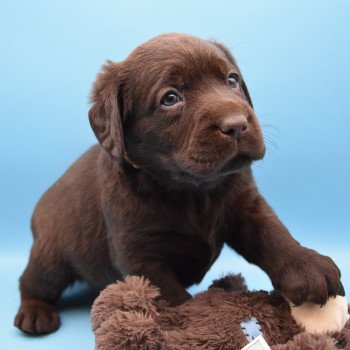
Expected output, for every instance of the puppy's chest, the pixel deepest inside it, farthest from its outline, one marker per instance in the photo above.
(196, 218)
(190, 230)
(198, 228)
(193, 252)
(207, 229)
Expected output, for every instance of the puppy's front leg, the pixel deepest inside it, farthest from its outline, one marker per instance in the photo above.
(300, 273)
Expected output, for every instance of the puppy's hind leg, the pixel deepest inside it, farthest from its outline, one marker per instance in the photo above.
(41, 285)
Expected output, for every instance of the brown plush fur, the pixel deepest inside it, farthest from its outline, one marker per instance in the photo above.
(126, 315)
(169, 185)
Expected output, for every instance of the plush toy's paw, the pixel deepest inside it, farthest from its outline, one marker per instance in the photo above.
(331, 317)
(135, 293)
(130, 331)
(123, 316)
(309, 277)
(37, 317)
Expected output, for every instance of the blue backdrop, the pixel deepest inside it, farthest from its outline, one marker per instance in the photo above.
(295, 58)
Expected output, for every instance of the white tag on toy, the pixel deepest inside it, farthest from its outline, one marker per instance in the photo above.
(258, 343)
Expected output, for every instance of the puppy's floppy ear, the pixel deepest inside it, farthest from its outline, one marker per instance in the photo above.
(105, 113)
(233, 61)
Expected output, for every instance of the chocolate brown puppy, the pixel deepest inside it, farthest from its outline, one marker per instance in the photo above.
(169, 184)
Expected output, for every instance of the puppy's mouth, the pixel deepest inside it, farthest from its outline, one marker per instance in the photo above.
(202, 167)
(205, 171)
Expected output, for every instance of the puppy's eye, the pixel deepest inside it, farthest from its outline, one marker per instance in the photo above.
(170, 99)
(233, 80)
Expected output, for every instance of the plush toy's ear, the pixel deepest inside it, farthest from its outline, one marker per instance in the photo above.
(229, 56)
(105, 114)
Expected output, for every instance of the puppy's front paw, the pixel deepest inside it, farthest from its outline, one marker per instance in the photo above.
(309, 277)
(37, 317)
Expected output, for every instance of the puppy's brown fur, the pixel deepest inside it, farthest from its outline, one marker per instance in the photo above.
(169, 186)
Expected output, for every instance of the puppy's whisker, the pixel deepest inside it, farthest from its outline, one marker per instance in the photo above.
(258, 163)
(265, 115)
(272, 137)
(271, 142)
(269, 132)
(270, 126)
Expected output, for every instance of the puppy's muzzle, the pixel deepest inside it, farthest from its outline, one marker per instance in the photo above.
(234, 126)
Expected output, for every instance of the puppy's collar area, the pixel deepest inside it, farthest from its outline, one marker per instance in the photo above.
(134, 165)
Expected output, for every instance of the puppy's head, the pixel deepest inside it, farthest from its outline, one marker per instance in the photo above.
(178, 109)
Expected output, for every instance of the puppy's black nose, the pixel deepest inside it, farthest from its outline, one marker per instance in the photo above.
(234, 126)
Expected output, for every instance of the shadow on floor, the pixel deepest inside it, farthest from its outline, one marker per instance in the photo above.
(78, 296)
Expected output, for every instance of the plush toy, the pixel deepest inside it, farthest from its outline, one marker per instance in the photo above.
(127, 315)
